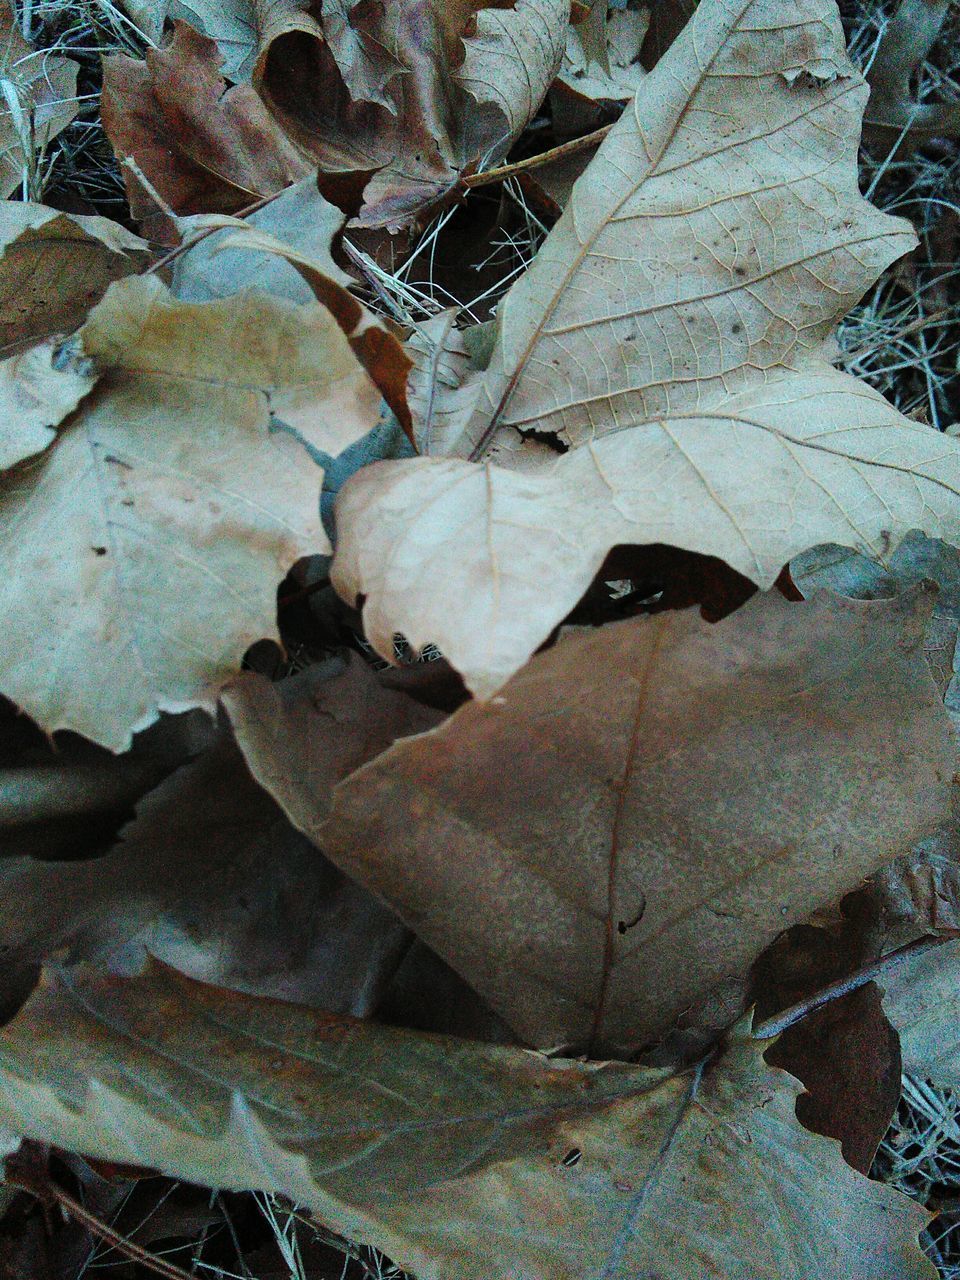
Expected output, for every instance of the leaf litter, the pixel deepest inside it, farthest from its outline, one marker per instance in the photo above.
(408, 277)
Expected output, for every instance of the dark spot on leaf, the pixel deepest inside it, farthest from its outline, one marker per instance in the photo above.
(117, 462)
(736, 328)
(572, 1157)
(99, 551)
(740, 271)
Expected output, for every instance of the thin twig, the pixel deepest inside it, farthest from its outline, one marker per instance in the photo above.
(534, 162)
(843, 986)
(209, 231)
(50, 1191)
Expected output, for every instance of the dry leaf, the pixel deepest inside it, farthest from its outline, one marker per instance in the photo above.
(144, 550)
(600, 64)
(524, 1166)
(231, 23)
(407, 96)
(671, 331)
(39, 101)
(36, 393)
(846, 1053)
(204, 147)
(255, 908)
(675, 795)
(55, 266)
(922, 1000)
(299, 219)
(302, 736)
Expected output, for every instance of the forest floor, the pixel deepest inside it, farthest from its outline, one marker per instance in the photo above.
(904, 338)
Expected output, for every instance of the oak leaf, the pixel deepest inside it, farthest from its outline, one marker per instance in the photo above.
(145, 547)
(671, 333)
(677, 794)
(525, 1166)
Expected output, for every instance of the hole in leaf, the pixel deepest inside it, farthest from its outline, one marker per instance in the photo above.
(573, 1156)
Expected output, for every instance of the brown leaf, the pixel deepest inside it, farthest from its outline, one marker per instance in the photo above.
(205, 147)
(645, 807)
(546, 1169)
(37, 392)
(55, 266)
(255, 907)
(846, 1053)
(412, 94)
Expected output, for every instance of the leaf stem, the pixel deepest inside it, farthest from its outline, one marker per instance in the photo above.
(565, 149)
(47, 1191)
(843, 986)
(184, 245)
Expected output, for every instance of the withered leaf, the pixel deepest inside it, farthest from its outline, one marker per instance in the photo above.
(55, 266)
(671, 332)
(145, 547)
(36, 394)
(255, 907)
(407, 96)
(524, 1166)
(205, 147)
(645, 807)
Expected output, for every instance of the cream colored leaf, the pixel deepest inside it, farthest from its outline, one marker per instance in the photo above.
(36, 394)
(922, 1000)
(545, 1169)
(143, 552)
(671, 331)
(806, 458)
(55, 266)
(646, 806)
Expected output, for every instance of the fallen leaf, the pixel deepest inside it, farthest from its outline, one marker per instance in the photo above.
(145, 548)
(922, 1000)
(255, 908)
(407, 96)
(671, 334)
(231, 23)
(68, 798)
(205, 147)
(40, 99)
(600, 64)
(525, 1166)
(55, 266)
(677, 794)
(299, 219)
(846, 1053)
(36, 394)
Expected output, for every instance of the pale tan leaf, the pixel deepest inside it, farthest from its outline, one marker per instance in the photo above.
(601, 63)
(804, 459)
(545, 1169)
(144, 550)
(55, 266)
(922, 1000)
(672, 332)
(646, 806)
(36, 394)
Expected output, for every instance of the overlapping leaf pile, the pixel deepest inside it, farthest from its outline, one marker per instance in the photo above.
(470, 976)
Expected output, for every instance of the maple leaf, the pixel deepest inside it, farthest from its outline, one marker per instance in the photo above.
(677, 794)
(671, 334)
(600, 64)
(635, 1173)
(145, 547)
(204, 147)
(407, 96)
